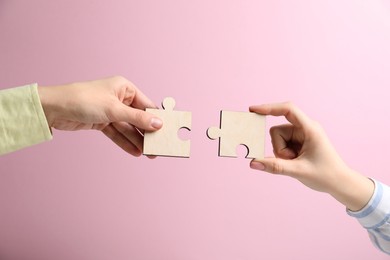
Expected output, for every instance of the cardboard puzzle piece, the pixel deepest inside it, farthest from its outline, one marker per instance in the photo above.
(239, 128)
(166, 142)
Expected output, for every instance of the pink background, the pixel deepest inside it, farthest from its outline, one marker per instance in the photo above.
(81, 197)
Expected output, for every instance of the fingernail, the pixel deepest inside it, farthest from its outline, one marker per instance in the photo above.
(258, 166)
(156, 123)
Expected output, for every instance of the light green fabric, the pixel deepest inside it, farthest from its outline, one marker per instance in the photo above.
(22, 119)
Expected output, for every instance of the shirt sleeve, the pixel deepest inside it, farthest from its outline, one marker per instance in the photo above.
(22, 119)
(375, 217)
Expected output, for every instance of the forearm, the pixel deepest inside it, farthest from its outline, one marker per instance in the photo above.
(353, 189)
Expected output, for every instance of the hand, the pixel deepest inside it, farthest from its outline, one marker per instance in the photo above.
(112, 105)
(304, 152)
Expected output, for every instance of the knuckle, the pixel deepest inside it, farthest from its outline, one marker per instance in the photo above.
(315, 129)
(273, 130)
(289, 104)
(119, 78)
(276, 167)
(112, 112)
(139, 116)
(131, 91)
(289, 109)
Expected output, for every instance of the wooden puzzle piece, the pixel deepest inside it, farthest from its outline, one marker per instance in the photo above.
(239, 128)
(165, 142)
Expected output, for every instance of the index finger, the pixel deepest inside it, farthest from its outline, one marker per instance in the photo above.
(291, 112)
(140, 100)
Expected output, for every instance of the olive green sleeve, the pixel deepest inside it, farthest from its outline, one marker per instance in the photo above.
(22, 119)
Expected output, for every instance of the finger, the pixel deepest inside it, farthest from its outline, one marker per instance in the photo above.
(133, 95)
(281, 139)
(140, 100)
(138, 118)
(131, 133)
(120, 140)
(292, 113)
(275, 166)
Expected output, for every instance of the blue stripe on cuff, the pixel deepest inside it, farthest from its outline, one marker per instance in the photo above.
(374, 203)
(386, 218)
(377, 243)
(383, 236)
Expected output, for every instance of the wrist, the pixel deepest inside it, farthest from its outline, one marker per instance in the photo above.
(49, 103)
(353, 189)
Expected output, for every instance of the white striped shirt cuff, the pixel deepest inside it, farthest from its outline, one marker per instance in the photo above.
(375, 217)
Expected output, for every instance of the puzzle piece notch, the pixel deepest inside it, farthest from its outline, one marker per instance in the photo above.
(239, 128)
(166, 142)
(215, 133)
(242, 150)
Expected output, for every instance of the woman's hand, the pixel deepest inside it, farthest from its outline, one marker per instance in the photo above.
(112, 105)
(304, 152)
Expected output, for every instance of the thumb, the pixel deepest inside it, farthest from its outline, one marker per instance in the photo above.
(138, 118)
(274, 165)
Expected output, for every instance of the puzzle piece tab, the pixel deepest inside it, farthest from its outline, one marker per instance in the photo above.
(239, 128)
(165, 142)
